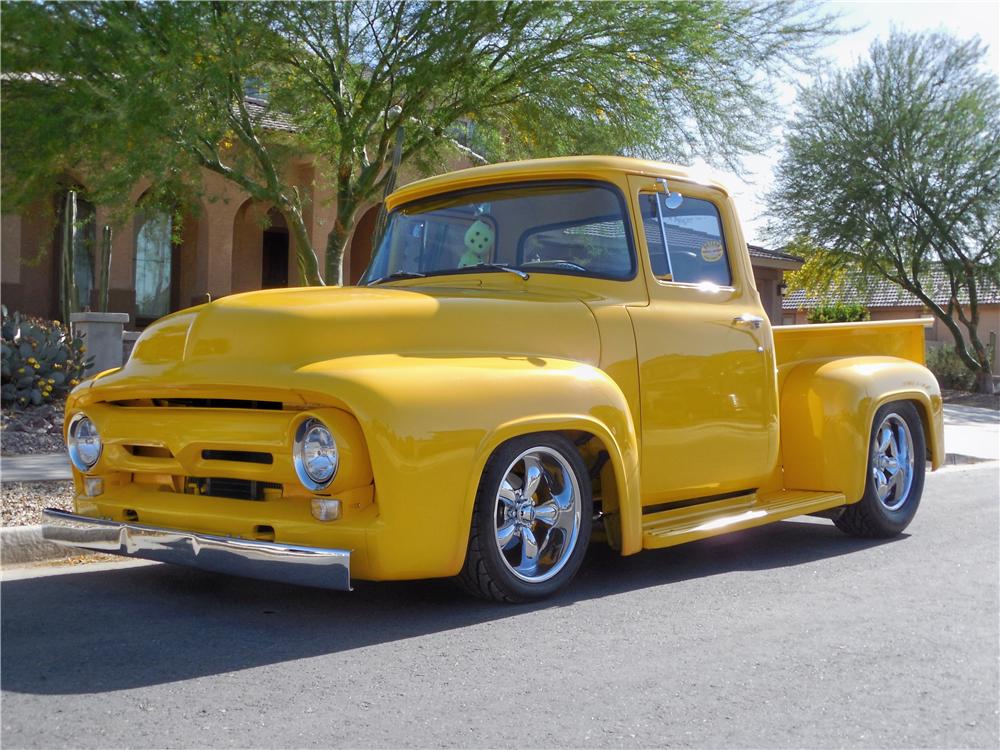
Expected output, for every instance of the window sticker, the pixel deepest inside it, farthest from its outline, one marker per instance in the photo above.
(711, 251)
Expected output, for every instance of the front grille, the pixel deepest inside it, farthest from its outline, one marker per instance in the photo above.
(217, 403)
(249, 457)
(235, 489)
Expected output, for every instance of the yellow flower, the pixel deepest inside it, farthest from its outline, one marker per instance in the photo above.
(83, 348)
(74, 381)
(37, 366)
(55, 322)
(20, 371)
(51, 381)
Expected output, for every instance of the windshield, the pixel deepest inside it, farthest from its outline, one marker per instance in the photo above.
(570, 227)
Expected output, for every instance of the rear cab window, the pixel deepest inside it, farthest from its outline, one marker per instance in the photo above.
(686, 244)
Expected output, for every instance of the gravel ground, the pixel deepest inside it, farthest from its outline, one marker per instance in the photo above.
(21, 503)
(35, 430)
(964, 398)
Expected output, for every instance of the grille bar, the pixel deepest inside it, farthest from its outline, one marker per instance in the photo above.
(235, 489)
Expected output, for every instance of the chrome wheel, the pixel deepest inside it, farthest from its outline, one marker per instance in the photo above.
(537, 514)
(892, 464)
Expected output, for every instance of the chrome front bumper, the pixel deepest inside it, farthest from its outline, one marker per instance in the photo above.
(271, 561)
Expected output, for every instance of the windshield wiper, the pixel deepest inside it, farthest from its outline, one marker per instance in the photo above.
(397, 275)
(502, 267)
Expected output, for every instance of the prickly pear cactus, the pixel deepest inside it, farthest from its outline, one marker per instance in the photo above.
(41, 361)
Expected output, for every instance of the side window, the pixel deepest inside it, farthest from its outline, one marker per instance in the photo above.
(686, 243)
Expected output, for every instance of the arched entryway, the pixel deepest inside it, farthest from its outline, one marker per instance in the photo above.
(262, 248)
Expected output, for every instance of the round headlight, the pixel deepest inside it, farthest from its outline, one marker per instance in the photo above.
(315, 454)
(84, 442)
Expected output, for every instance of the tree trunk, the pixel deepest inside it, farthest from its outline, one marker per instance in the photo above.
(984, 382)
(336, 247)
(339, 239)
(305, 256)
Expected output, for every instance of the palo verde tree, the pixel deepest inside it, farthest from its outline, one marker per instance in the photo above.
(671, 80)
(891, 170)
(157, 89)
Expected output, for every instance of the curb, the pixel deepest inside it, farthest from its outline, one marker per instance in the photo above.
(24, 544)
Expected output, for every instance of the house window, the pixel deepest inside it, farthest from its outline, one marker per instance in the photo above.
(153, 260)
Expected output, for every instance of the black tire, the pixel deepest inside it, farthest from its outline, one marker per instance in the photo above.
(873, 517)
(488, 572)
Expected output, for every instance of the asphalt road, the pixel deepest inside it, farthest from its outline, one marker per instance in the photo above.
(791, 635)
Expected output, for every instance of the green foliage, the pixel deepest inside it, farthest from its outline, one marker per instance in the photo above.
(157, 89)
(949, 369)
(839, 312)
(891, 171)
(41, 361)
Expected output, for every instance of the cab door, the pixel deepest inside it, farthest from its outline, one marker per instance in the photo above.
(708, 403)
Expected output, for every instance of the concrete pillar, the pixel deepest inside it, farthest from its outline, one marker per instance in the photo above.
(102, 335)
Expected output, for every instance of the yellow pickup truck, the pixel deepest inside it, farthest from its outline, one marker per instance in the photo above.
(542, 355)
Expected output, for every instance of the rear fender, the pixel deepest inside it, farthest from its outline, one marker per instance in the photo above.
(827, 408)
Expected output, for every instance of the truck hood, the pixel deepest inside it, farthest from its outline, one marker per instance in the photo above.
(286, 329)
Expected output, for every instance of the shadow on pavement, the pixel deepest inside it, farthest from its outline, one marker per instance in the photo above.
(137, 626)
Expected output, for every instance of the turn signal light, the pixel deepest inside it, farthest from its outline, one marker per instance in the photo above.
(324, 509)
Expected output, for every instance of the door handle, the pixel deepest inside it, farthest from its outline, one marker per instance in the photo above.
(746, 320)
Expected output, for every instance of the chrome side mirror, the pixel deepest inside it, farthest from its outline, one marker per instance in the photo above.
(670, 200)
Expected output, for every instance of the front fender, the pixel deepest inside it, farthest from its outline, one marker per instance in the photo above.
(431, 424)
(827, 408)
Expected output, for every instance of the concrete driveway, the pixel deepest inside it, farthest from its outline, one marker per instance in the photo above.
(971, 431)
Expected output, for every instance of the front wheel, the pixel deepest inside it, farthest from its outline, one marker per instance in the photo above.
(895, 481)
(531, 521)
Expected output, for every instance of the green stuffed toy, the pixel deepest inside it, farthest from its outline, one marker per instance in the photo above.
(478, 243)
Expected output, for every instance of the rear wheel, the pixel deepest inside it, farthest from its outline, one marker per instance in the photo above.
(531, 521)
(895, 481)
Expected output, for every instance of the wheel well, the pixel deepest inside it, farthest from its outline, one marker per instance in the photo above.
(604, 483)
(925, 423)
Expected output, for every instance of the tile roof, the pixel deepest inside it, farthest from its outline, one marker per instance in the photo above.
(756, 251)
(883, 293)
(270, 119)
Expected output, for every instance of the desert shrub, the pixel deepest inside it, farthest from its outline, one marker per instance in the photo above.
(41, 360)
(949, 369)
(839, 312)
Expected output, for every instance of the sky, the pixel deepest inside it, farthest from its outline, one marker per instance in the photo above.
(876, 19)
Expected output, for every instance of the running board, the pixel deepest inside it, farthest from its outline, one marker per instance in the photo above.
(681, 525)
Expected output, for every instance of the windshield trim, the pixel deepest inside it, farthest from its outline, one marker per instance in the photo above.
(582, 182)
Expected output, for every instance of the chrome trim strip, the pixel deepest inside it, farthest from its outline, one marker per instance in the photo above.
(271, 561)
